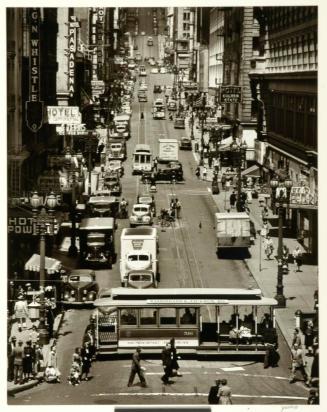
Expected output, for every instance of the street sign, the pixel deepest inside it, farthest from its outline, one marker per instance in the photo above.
(64, 115)
(230, 94)
(72, 129)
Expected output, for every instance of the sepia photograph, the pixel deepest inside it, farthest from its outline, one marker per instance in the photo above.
(162, 205)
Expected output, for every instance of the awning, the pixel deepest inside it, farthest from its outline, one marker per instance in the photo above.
(51, 265)
(252, 171)
(225, 146)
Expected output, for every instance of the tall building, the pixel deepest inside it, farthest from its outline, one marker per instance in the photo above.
(216, 51)
(285, 88)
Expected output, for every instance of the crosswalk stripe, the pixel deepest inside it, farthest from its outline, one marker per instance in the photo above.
(196, 394)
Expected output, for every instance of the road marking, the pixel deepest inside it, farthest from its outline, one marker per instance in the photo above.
(232, 369)
(160, 373)
(195, 394)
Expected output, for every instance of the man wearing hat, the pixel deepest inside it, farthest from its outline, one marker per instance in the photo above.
(10, 351)
(18, 362)
(137, 369)
(21, 311)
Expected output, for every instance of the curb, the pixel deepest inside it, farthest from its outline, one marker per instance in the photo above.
(20, 388)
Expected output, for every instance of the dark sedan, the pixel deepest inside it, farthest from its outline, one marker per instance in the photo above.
(80, 287)
(171, 171)
(156, 88)
(185, 143)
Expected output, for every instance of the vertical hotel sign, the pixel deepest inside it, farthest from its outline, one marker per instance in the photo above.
(34, 106)
(100, 40)
(72, 40)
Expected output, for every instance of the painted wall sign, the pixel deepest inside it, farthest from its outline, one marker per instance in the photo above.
(34, 107)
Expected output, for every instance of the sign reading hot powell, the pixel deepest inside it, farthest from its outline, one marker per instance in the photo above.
(64, 115)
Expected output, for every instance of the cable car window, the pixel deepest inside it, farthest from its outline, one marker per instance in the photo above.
(187, 316)
(167, 316)
(148, 316)
(128, 317)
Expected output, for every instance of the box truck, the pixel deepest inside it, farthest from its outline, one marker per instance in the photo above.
(233, 230)
(139, 256)
(168, 150)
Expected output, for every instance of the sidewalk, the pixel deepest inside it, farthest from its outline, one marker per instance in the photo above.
(299, 287)
(13, 388)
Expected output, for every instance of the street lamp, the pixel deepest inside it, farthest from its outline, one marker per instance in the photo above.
(43, 225)
(191, 100)
(239, 155)
(202, 118)
(73, 172)
(281, 190)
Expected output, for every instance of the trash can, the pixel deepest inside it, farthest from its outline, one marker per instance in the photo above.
(34, 311)
(196, 146)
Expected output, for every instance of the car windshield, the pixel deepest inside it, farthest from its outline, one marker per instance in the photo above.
(135, 258)
(140, 209)
(115, 146)
(140, 278)
(80, 278)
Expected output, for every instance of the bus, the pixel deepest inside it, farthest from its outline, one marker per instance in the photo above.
(142, 159)
(203, 321)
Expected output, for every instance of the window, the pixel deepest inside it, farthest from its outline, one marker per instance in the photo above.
(167, 316)
(128, 317)
(186, 26)
(186, 16)
(148, 316)
(187, 316)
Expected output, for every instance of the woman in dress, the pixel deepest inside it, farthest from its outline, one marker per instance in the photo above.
(86, 360)
(225, 393)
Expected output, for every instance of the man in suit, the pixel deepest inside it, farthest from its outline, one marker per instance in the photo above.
(167, 363)
(297, 363)
(11, 347)
(136, 369)
(213, 398)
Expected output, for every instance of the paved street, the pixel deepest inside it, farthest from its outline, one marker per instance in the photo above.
(224, 309)
(187, 259)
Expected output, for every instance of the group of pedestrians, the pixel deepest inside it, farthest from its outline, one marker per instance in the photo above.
(81, 364)
(24, 360)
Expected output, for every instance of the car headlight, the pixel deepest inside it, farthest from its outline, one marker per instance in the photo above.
(91, 296)
(146, 218)
(84, 298)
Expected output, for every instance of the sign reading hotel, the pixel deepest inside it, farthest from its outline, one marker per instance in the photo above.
(73, 25)
(34, 106)
(100, 40)
(230, 94)
(64, 115)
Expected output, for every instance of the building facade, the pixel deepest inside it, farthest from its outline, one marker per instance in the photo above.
(287, 97)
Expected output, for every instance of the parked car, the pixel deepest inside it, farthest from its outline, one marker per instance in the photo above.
(116, 166)
(141, 215)
(170, 171)
(163, 70)
(185, 144)
(112, 183)
(179, 123)
(80, 287)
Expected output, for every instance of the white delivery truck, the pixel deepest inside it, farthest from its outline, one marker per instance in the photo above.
(138, 259)
(168, 150)
(233, 230)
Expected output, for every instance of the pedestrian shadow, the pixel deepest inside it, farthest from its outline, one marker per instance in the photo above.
(67, 332)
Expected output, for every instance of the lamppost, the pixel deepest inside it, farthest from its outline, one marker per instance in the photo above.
(202, 118)
(74, 173)
(239, 153)
(191, 100)
(43, 225)
(281, 190)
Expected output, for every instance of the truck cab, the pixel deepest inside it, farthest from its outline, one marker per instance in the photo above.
(102, 206)
(117, 150)
(97, 246)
